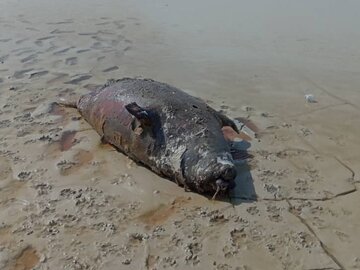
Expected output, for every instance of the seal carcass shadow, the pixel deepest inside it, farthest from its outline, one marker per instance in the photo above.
(244, 190)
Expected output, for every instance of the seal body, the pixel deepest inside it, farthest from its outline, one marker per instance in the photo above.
(169, 131)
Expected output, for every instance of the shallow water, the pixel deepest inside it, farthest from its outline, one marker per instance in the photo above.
(266, 53)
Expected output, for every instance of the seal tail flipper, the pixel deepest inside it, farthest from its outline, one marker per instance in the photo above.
(248, 123)
(67, 103)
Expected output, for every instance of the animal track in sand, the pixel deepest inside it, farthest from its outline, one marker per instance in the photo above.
(80, 159)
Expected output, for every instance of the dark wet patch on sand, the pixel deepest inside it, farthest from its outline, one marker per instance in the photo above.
(99, 45)
(21, 73)
(163, 212)
(92, 86)
(67, 140)
(119, 24)
(38, 74)
(61, 22)
(51, 48)
(4, 58)
(5, 236)
(46, 38)
(58, 31)
(83, 50)
(81, 158)
(32, 29)
(127, 48)
(102, 23)
(27, 260)
(29, 58)
(63, 51)
(100, 58)
(21, 41)
(111, 69)
(87, 34)
(71, 61)
(23, 51)
(56, 109)
(59, 76)
(79, 79)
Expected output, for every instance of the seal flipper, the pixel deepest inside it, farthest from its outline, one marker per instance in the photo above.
(248, 123)
(232, 135)
(67, 103)
(140, 114)
(224, 120)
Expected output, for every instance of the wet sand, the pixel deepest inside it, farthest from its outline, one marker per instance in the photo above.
(69, 202)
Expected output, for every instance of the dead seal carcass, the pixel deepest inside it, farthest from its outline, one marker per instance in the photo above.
(169, 131)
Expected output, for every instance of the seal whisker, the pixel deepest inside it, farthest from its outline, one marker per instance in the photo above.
(216, 192)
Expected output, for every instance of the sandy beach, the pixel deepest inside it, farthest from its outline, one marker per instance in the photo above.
(69, 202)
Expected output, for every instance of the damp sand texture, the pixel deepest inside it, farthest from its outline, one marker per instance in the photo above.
(69, 202)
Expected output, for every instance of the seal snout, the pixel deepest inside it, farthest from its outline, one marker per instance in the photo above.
(226, 181)
(224, 185)
(229, 173)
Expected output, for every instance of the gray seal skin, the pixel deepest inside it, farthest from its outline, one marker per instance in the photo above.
(169, 131)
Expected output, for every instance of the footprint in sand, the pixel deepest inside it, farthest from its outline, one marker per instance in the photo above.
(31, 57)
(63, 51)
(4, 58)
(101, 45)
(71, 61)
(115, 42)
(80, 159)
(23, 51)
(32, 29)
(78, 79)
(127, 48)
(38, 74)
(87, 34)
(68, 21)
(82, 50)
(111, 69)
(46, 38)
(21, 73)
(21, 40)
(58, 77)
(58, 31)
(5, 169)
